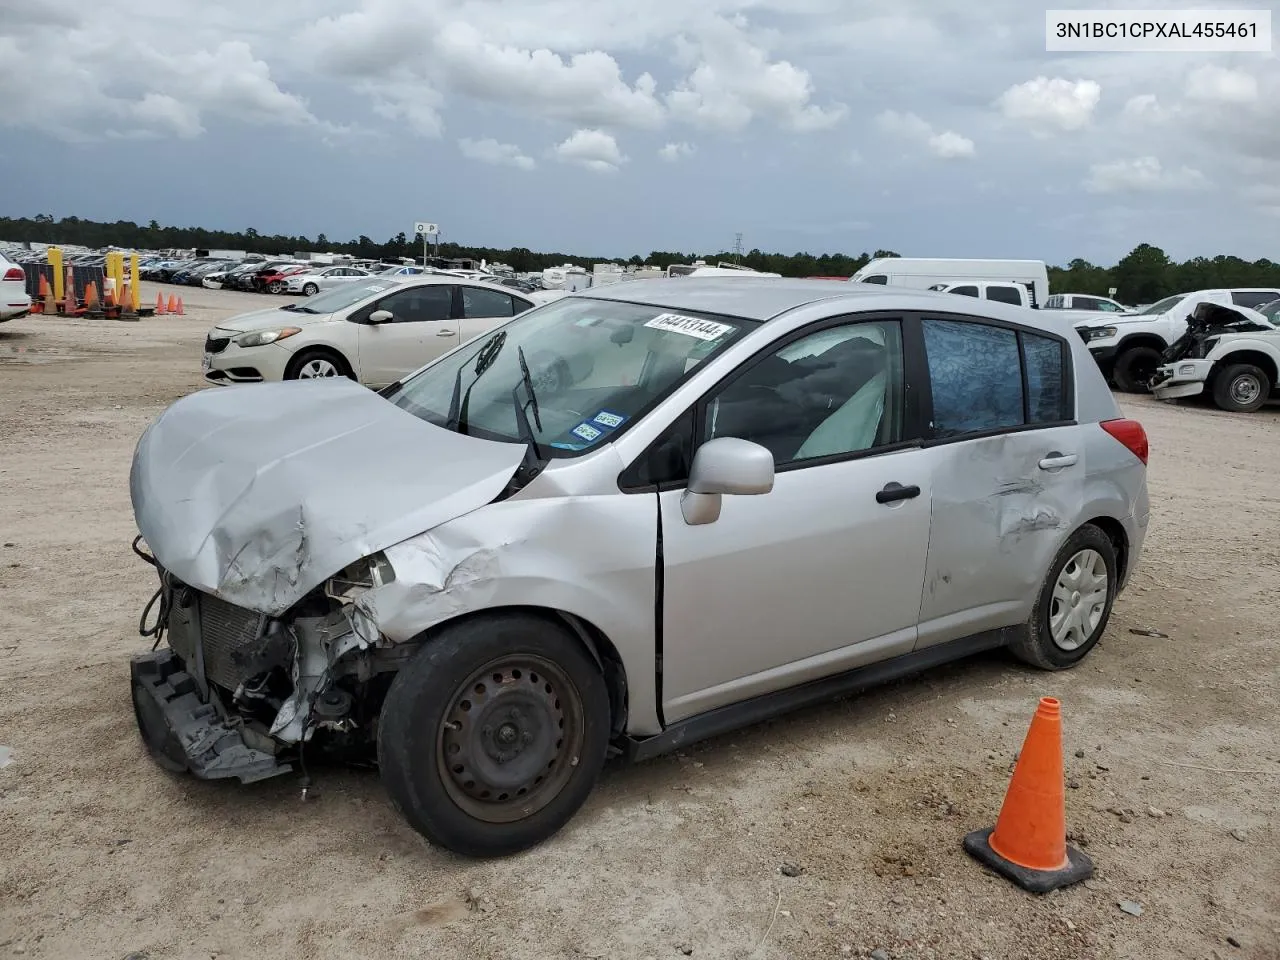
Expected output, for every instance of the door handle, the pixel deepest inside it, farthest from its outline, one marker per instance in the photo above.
(1056, 461)
(444, 333)
(893, 492)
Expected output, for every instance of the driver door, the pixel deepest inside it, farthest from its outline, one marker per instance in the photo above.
(823, 573)
(422, 329)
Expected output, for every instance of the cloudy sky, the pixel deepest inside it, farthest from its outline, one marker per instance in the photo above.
(931, 127)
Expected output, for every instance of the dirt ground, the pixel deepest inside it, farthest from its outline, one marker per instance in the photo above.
(1172, 752)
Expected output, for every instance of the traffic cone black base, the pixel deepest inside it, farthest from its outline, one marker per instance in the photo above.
(1079, 866)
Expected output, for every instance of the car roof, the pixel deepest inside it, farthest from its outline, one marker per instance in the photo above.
(764, 298)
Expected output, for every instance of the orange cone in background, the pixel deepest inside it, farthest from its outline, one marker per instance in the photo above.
(180, 313)
(1029, 842)
(91, 295)
(160, 305)
(173, 304)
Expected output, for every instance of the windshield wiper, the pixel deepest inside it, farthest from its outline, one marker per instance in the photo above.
(459, 403)
(522, 419)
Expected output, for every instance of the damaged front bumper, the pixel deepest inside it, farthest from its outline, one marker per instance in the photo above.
(1184, 378)
(237, 694)
(187, 734)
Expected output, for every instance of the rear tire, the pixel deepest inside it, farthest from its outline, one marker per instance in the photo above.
(1135, 367)
(494, 734)
(1241, 388)
(1073, 608)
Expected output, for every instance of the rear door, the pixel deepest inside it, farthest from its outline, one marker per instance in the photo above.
(423, 328)
(1007, 470)
(481, 309)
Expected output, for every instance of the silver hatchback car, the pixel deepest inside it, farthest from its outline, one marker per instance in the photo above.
(625, 520)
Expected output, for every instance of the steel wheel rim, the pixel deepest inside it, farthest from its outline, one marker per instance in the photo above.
(319, 367)
(310, 289)
(1245, 389)
(511, 738)
(1079, 599)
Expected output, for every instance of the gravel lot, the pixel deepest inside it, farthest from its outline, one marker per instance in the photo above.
(104, 855)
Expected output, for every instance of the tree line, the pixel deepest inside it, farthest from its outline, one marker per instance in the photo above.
(1144, 275)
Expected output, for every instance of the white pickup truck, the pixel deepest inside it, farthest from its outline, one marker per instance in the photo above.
(1230, 353)
(1128, 346)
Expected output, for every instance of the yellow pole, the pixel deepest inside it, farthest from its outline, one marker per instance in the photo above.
(59, 281)
(134, 286)
(117, 271)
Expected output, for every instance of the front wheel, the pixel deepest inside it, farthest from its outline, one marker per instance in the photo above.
(1135, 367)
(1074, 605)
(313, 364)
(310, 290)
(495, 733)
(1241, 388)
(275, 286)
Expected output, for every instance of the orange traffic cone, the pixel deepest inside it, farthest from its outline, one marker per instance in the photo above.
(180, 313)
(38, 305)
(91, 295)
(173, 304)
(160, 311)
(1029, 842)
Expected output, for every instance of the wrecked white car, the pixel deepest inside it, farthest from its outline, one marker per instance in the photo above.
(1230, 353)
(621, 522)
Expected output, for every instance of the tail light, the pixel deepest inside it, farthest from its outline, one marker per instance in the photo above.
(1131, 434)
(15, 273)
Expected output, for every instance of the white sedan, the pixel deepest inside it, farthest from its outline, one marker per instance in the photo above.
(374, 331)
(314, 281)
(14, 301)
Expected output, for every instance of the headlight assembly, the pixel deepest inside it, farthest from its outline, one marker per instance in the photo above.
(1101, 333)
(262, 337)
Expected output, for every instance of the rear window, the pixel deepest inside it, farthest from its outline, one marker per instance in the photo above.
(1004, 295)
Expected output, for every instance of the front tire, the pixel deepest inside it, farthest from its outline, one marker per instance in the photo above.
(316, 364)
(275, 286)
(494, 735)
(310, 290)
(1135, 367)
(1074, 604)
(1241, 388)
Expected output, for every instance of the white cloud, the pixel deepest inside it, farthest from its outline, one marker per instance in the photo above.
(734, 81)
(1146, 108)
(947, 145)
(1141, 174)
(1046, 104)
(1219, 85)
(674, 151)
(593, 149)
(499, 154)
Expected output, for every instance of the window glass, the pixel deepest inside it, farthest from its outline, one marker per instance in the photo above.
(1004, 295)
(976, 377)
(594, 366)
(878, 278)
(1252, 298)
(967, 291)
(419, 304)
(519, 306)
(1109, 307)
(1046, 393)
(836, 391)
(478, 302)
(1054, 302)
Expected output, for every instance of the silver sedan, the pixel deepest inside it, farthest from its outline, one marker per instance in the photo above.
(620, 522)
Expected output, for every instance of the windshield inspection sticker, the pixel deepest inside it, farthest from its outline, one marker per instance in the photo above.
(689, 326)
(587, 432)
(606, 419)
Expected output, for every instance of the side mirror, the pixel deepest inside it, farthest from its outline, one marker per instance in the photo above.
(726, 465)
(381, 316)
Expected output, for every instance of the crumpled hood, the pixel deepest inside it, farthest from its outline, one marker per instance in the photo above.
(258, 494)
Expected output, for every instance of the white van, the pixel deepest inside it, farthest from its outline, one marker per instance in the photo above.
(923, 274)
(1001, 291)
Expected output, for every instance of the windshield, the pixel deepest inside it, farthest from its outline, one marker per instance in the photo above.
(594, 366)
(342, 296)
(1162, 306)
(1271, 311)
